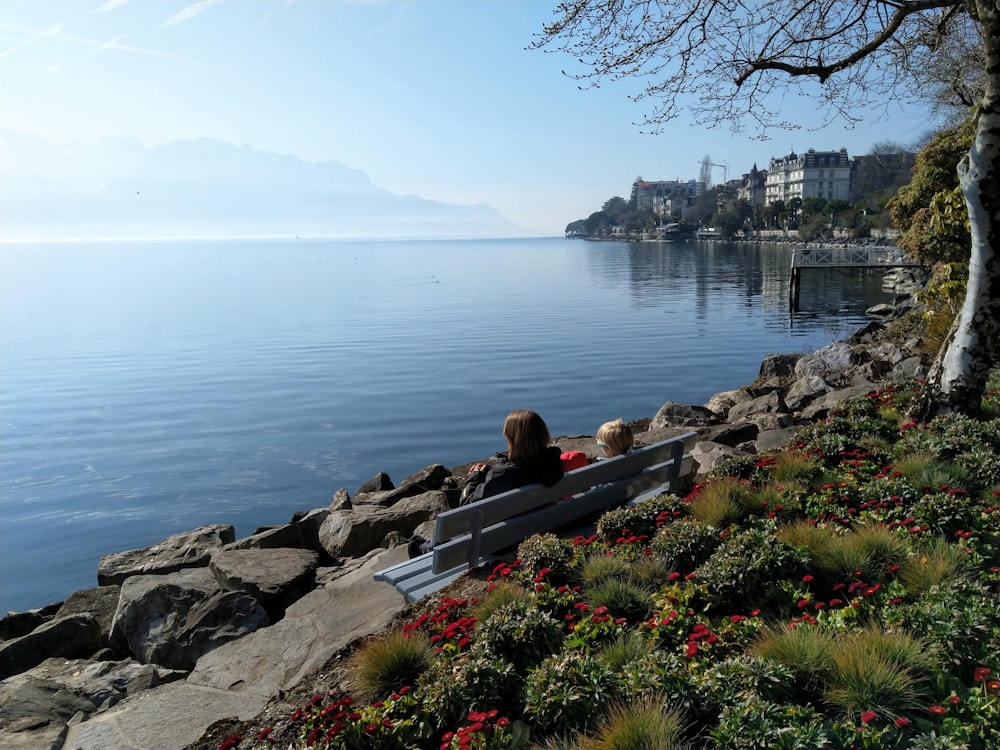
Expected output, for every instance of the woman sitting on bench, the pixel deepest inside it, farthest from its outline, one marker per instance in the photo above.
(529, 459)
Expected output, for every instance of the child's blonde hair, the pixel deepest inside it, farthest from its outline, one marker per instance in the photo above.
(617, 435)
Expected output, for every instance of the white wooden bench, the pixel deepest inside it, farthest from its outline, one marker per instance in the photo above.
(472, 533)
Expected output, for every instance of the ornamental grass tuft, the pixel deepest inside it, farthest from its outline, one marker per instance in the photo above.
(880, 672)
(722, 502)
(938, 564)
(622, 599)
(645, 725)
(390, 662)
(600, 568)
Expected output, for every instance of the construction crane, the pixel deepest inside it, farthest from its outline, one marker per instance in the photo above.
(725, 169)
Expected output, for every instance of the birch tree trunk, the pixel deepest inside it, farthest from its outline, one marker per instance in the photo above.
(958, 377)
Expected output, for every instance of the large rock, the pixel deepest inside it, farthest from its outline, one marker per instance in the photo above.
(770, 403)
(174, 619)
(356, 532)
(429, 479)
(804, 391)
(16, 624)
(301, 533)
(69, 637)
(821, 407)
(673, 414)
(731, 434)
(274, 577)
(708, 455)
(778, 365)
(36, 705)
(100, 602)
(720, 403)
(834, 358)
(191, 549)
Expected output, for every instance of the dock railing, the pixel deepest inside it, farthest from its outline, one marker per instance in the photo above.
(841, 257)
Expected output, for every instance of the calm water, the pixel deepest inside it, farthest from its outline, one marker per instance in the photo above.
(148, 388)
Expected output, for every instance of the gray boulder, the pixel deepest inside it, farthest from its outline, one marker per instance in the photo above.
(355, 532)
(672, 414)
(68, 637)
(836, 357)
(100, 602)
(767, 404)
(191, 549)
(821, 407)
(173, 619)
(708, 455)
(274, 577)
(301, 533)
(804, 391)
(778, 365)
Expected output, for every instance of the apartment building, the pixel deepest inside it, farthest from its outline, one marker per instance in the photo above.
(814, 174)
(667, 198)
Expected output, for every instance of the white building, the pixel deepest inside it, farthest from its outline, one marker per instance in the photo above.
(814, 174)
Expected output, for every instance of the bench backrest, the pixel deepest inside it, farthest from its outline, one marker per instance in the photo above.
(482, 528)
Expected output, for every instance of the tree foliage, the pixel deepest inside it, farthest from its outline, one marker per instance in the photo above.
(934, 178)
(721, 62)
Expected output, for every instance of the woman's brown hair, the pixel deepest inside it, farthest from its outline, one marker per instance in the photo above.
(527, 435)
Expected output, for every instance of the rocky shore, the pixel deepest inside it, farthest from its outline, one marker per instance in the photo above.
(185, 616)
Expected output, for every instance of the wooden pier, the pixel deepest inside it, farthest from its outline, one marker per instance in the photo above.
(841, 257)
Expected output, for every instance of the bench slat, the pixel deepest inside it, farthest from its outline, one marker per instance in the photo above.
(510, 531)
(458, 521)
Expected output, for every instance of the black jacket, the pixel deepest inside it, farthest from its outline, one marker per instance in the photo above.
(545, 469)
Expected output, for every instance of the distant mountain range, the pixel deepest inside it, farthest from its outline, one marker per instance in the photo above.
(121, 188)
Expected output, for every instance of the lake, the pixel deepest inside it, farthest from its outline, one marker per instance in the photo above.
(147, 388)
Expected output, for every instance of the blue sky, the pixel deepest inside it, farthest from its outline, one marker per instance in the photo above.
(436, 98)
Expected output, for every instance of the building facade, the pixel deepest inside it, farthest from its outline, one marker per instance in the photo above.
(667, 198)
(814, 174)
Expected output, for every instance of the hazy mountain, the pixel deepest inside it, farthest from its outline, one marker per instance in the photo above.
(120, 188)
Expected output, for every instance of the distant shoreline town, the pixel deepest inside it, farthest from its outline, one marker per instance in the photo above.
(814, 196)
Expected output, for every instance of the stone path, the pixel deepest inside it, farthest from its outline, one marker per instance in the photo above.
(239, 678)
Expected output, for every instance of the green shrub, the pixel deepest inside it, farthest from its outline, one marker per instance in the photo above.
(542, 551)
(806, 652)
(884, 673)
(641, 519)
(652, 571)
(449, 689)
(960, 620)
(502, 596)
(567, 691)
(686, 544)
(721, 502)
(519, 634)
(739, 679)
(746, 571)
(757, 724)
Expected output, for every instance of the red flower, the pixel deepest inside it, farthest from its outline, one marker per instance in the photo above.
(993, 685)
(692, 649)
(980, 673)
(937, 710)
(868, 716)
(901, 721)
(807, 579)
